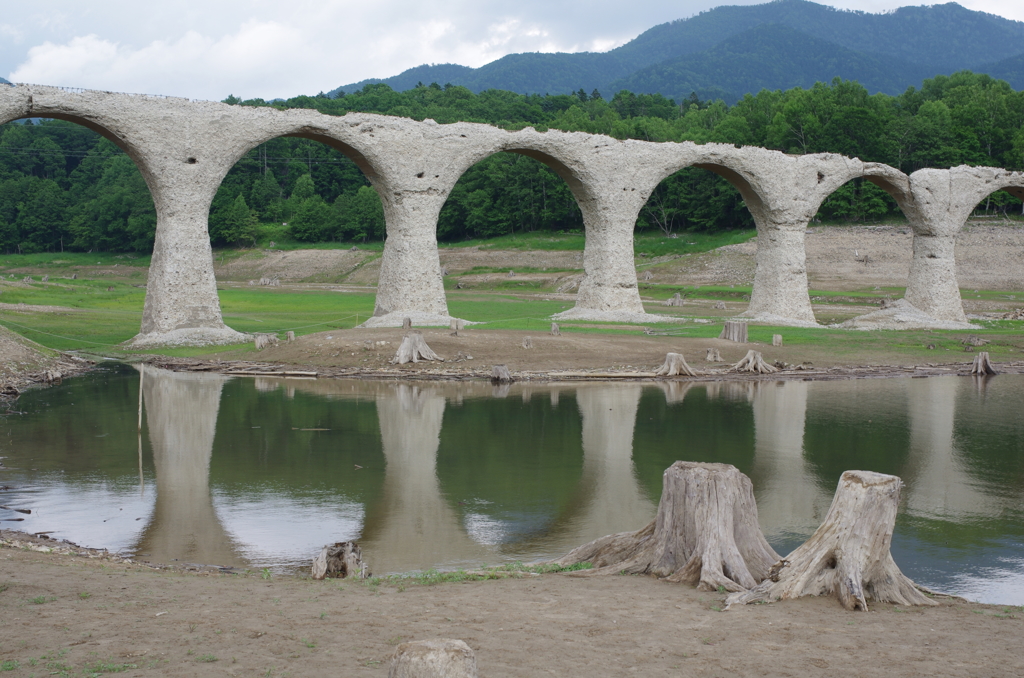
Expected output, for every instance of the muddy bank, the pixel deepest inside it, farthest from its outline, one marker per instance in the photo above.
(72, 613)
(24, 364)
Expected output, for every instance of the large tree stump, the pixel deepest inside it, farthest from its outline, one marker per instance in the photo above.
(705, 533)
(341, 560)
(441, 658)
(776, 340)
(734, 330)
(754, 362)
(848, 556)
(413, 349)
(501, 375)
(982, 365)
(675, 364)
(263, 340)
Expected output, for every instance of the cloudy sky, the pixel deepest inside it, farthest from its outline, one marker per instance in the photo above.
(208, 49)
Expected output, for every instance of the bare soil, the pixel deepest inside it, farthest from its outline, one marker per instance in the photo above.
(68, 614)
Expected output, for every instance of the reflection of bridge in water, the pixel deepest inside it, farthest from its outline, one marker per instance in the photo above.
(414, 525)
(181, 414)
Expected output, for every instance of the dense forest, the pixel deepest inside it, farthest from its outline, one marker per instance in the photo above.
(62, 187)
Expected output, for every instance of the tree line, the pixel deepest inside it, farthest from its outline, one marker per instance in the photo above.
(65, 187)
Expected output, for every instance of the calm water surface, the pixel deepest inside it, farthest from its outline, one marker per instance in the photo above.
(261, 472)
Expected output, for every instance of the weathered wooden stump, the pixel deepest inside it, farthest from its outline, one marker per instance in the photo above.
(527, 342)
(340, 560)
(776, 340)
(413, 349)
(705, 533)
(675, 364)
(848, 556)
(754, 362)
(647, 275)
(734, 330)
(501, 375)
(719, 305)
(982, 365)
(555, 332)
(713, 356)
(289, 336)
(456, 325)
(676, 300)
(441, 658)
(406, 323)
(262, 340)
(45, 278)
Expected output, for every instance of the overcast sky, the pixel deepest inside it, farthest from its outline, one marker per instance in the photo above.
(208, 49)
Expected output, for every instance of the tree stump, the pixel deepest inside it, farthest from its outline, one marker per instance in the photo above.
(413, 349)
(501, 375)
(262, 340)
(705, 533)
(45, 278)
(555, 332)
(647, 275)
(713, 356)
(982, 365)
(441, 658)
(340, 560)
(289, 336)
(527, 342)
(734, 330)
(406, 323)
(74, 276)
(675, 364)
(456, 326)
(754, 362)
(676, 300)
(848, 556)
(776, 340)
(719, 305)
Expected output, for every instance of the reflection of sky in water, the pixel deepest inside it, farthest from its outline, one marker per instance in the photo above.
(282, 531)
(97, 513)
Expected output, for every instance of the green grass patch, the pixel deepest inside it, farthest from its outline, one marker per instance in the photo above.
(68, 260)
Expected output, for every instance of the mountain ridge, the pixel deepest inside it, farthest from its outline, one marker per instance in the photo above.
(941, 38)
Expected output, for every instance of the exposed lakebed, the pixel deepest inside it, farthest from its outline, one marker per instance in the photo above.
(261, 472)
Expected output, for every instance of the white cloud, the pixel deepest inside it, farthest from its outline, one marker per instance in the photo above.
(265, 48)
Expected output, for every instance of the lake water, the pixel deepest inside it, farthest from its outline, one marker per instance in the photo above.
(261, 472)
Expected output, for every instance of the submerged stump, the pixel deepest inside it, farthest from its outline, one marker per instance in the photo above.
(413, 349)
(848, 556)
(340, 560)
(674, 365)
(982, 365)
(706, 533)
(501, 375)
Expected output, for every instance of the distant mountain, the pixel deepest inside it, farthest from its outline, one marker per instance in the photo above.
(895, 48)
(4, 82)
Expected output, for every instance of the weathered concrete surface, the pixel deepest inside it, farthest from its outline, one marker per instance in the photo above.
(184, 149)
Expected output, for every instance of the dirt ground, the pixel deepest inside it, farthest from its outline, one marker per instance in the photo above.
(71, 615)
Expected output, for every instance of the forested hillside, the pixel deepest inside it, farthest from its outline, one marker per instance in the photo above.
(62, 187)
(796, 43)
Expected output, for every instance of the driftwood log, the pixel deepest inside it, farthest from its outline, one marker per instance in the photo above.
(555, 332)
(501, 375)
(776, 340)
(705, 533)
(734, 330)
(441, 658)
(713, 356)
(848, 556)
(754, 362)
(982, 365)
(413, 349)
(675, 364)
(340, 560)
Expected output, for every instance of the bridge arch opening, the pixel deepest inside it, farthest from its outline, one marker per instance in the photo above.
(301, 187)
(69, 184)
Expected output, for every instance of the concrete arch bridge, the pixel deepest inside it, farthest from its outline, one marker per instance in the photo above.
(185, 148)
